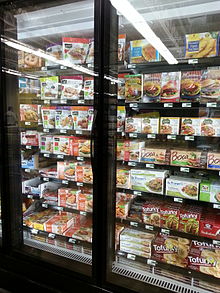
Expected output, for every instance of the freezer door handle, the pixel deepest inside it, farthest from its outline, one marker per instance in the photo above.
(92, 136)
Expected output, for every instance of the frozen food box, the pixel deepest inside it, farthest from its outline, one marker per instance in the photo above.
(85, 201)
(82, 117)
(63, 145)
(121, 86)
(32, 186)
(71, 87)
(190, 126)
(60, 170)
(189, 219)
(63, 118)
(169, 216)
(155, 156)
(46, 144)
(29, 162)
(50, 171)
(171, 249)
(67, 197)
(210, 91)
(148, 180)
(210, 126)
(56, 51)
(30, 137)
(28, 60)
(191, 86)
(150, 125)
(190, 158)
(122, 196)
(122, 209)
(204, 257)
(29, 113)
(210, 226)
(84, 173)
(210, 191)
(123, 178)
(121, 113)
(133, 124)
(141, 51)
(133, 88)
(201, 45)
(151, 212)
(121, 47)
(48, 117)
(60, 223)
(81, 147)
(151, 87)
(29, 220)
(40, 223)
(28, 86)
(49, 87)
(69, 171)
(88, 88)
(183, 187)
(132, 150)
(75, 50)
(120, 150)
(169, 125)
(213, 161)
(170, 84)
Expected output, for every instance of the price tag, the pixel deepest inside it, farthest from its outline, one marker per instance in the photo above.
(186, 105)
(81, 101)
(30, 196)
(83, 213)
(44, 205)
(189, 137)
(43, 68)
(46, 155)
(46, 179)
(63, 131)
(168, 105)
(46, 101)
(216, 206)
(133, 105)
(63, 101)
(216, 242)
(28, 147)
(131, 256)
(46, 130)
(132, 164)
(122, 133)
(65, 181)
(165, 231)
(63, 67)
(27, 170)
(148, 227)
(171, 136)
(211, 105)
(137, 192)
(79, 183)
(80, 158)
(121, 253)
(131, 66)
(34, 231)
(178, 199)
(151, 135)
(133, 224)
(184, 169)
(60, 156)
(27, 123)
(51, 235)
(79, 132)
(73, 241)
(132, 134)
(150, 166)
(193, 61)
(151, 262)
(59, 209)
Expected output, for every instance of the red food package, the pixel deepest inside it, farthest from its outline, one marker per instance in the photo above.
(30, 137)
(151, 213)
(210, 225)
(67, 197)
(169, 216)
(190, 219)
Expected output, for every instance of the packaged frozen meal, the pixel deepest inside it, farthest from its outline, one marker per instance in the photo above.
(133, 88)
(29, 60)
(151, 87)
(121, 47)
(88, 88)
(121, 113)
(56, 51)
(75, 49)
(46, 144)
(190, 126)
(84, 201)
(133, 124)
(151, 212)
(210, 126)
(141, 51)
(182, 187)
(82, 117)
(121, 86)
(67, 197)
(150, 125)
(210, 225)
(48, 117)
(132, 149)
(63, 145)
(29, 113)
(169, 216)
(170, 84)
(191, 86)
(190, 219)
(148, 180)
(84, 173)
(71, 87)
(169, 125)
(120, 150)
(49, 87)
(63, 118)
(210, 91)
(30, 137)
(201, 45)
(182, 158)
(155, 156)
(213, 161)
(123, 178)
(210, 191)
(69, 170)
(81, 147)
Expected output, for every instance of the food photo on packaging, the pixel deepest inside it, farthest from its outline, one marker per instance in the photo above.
(191, 86)
(151, 87)
(48, 116)
(75, 50)
(210, 85)
(190, 126)
(133, 88)
(63, 118)
(141, 51)
(71, 87)
(169, 125)
(170, 84)
(49, 87)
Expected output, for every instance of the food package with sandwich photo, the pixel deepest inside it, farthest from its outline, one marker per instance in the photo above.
(49, 87)
(169, 125)
(63, 118)
(169, 215)
(151, 87)
(82, 117)
(123, 178)
(121, 113)
(30, 137)
(46, 144)
(191, 86)
(155, 155)
(171, 249)
(121, 47)
(133, 124)
(84, 200)
(75, 50)
(201, 45)
(210, 225)
(133, 88)
(48, 116)
(183, 187)
(69, 170)
(132, 150)
(141, 51)
(150, 125)
(121, 86)
(210, 91)
(29, 60)
(67, 197)
(148, 180)
(210, 126)
(84, 173)
(190, 126)
(29, 113)
(63, 145)
(83, 231)
(81, 147)
(210, 191)
(151, 212)
(170, 91)
(88, 88)
(189, 220)
(205, 258)
(56, 51)
(71, 87)
(190, 158)
(213, 161)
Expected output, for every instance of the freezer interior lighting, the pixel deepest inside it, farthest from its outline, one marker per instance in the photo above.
(125, 8)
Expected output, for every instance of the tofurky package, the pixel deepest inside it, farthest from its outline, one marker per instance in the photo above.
(133, 88)
(210, 126)
(63, 118)
(189, 219)
(132, 149)
(121, 47)
(150, 125)
(183, 187)
(49, 87)
(82, 117)
(28, 60)
(155, 156)
(30, 137)
(151, 87)
(121, 86)
(123, 178)
(169, 125)
(190, 126)
(170, 84)
(48, 117)
(29, 113)
(189, 158)
(210, 91)
(204, 257)
(63, 145)
(169, 216)
(67, 197)
(191, 86)
(56, 51)
(171, 249)
(71, 87)
(151, 212)
(133, 124)
(210, 191)
(201, 45)
(210, 225)
(213, 161)
(141, 51)
(75, 50)
(88, 88)
(121, 113)
(148, 180)
(46, 144)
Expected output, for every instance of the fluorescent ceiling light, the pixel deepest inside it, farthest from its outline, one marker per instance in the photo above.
(137, 20)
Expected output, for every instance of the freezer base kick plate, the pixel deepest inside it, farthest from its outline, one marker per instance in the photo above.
(156, 280)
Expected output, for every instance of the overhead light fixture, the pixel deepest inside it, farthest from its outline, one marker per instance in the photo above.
(125, 8)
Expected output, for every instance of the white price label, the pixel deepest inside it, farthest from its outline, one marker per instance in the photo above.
(79, 132)
(63, 101)
(151, 135)
(186, 105)
(27, 123)
(137, 192)
(81, 101)
(151, 166)
(132, 164)
(189, 137)
(134, 224)
(65, 181)
(171, 136)
(28, 147)
(79, 183)
(46, 155)
(133, 105)
(151, 262)
(63, 131)
(131, 256)
(131, 66)
(168, 105)
(46, 179)
(43, 68)
(216, 242)
(165, 231)
(51, 235)
(184, 169)
(216, 206)
(63, 67)
(132, 134)
(46, 101)
(193, 61)
(123, 133)
(34, 231)
(46, 130)
(178, 199)
(30, 196)
(59, 209)
(149, 227)
(121, 253)
(60, 156)
(82, 213)
(211, 105)
(44, 205)
(73, 241)
(80, 158)
(27, 170)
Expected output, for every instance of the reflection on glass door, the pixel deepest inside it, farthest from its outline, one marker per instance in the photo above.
(48, 67)
(168, 129)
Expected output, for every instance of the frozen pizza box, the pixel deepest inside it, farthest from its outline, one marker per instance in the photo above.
(150, 125)
(189, 219)
(30, 137)
(71, 87)
(169, 125)
(170, 84)
(189, 158)
(133, 124)
(46, 144)
(183, 187)
(213, 161)
(54, 50)
(133, 88)
(148, 180)
(82, 117)
(88, 88)
(123, 178)
(210, 191)
(155, 155)
(191, 86)
(63, 118)
(49, 87)
(151, 87)
(48, 117)
(210, 91)
(169, 216)
(75, 50)
(210, 126)
(132, 150)
(190, 126)
(210, 225)
(29, 113)
(121, 113)
(141, 51)
(63, 145)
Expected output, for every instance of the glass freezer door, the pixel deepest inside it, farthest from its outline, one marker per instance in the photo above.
(48, 68)
(164, 205)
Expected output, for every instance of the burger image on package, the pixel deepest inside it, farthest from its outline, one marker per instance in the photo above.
(210, 85)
